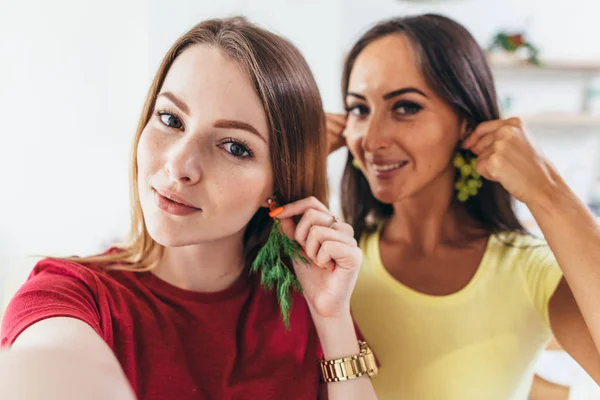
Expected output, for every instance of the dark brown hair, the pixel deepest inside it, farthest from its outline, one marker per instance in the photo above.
(454, 66)
(291, 101)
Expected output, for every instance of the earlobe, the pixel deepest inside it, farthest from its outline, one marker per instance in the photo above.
(269, 202)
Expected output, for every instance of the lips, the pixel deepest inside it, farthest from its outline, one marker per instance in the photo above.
(388, 167)
(173, 203)
(174, 197)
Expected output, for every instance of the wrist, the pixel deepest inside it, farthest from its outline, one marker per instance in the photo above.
(337, 336)
(548, 195)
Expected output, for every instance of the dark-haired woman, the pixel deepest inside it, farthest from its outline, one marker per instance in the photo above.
(455, 298)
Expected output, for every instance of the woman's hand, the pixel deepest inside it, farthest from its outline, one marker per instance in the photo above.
(506, 155)
(328, 284)
(336, 258)
(336, 124)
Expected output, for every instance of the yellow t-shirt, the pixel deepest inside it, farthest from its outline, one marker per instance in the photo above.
(479, 343)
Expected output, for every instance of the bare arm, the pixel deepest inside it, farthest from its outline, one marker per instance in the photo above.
(507, 156)
(327, 285)
(571, 331)
(338, 340)
(61, 358)
(541, 389)
(574, 237)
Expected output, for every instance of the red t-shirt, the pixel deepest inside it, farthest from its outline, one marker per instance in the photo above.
(178, 344)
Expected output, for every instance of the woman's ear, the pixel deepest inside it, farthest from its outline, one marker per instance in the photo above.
(269, 202)
(466, 128)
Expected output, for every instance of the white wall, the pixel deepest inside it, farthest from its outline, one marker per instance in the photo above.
(562, 29)
(72, 79)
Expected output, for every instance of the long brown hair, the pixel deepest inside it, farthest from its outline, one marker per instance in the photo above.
(291, 101)
(454, 66)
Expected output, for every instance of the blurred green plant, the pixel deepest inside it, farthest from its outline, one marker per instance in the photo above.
(513, 43)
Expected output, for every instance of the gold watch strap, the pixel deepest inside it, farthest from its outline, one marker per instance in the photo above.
(343, 369)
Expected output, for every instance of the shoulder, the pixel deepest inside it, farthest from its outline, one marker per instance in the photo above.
(62, 288)
(531, 259)
(59, 268)
(96, 271)
(513, 249)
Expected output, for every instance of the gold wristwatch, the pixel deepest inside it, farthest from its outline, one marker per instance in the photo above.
(352, 367)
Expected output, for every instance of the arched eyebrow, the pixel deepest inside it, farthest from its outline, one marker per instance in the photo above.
(391, 94)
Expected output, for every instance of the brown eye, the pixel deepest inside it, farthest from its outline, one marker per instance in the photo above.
(357, 110)
(407, 108)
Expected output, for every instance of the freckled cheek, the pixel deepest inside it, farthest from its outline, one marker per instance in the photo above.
(239, 191)
(149, 150)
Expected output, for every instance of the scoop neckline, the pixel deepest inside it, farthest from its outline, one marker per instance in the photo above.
(454, 297)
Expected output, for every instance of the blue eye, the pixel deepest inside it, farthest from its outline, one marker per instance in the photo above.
(170, 120)
(237, 149)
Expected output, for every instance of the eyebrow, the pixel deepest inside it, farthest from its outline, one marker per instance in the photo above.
(392, 94)
(232, 124)
(177, 101)
(221, 123)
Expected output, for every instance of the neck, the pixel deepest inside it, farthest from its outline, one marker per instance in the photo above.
(430, 217)
(205, 267)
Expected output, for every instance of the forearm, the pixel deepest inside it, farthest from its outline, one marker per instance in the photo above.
(574, 237)
(338, 340)
(541, 389)
(32, 374)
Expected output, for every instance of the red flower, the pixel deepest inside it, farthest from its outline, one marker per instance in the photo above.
(517, 40)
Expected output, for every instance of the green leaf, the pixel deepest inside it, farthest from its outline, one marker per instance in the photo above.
(274, 272)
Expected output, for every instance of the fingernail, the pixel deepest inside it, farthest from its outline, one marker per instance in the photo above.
(276, 212)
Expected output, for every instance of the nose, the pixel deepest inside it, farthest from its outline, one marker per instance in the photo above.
(375, 135)
(183, 163)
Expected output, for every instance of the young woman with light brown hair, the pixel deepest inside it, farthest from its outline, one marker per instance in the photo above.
(233, 121)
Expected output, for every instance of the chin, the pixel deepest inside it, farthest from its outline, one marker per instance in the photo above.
(388, 195)
(168, 235)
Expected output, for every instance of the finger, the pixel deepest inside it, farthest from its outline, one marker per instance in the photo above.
(334, 128)
(335, 141)
(515, 122)
(484, 142)
(320, 234)
(483, 164)
(298, 208)
(336, 118)
(344, 228)
(482, 129)
(335, 122)
(312, 218)
(336, 254)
